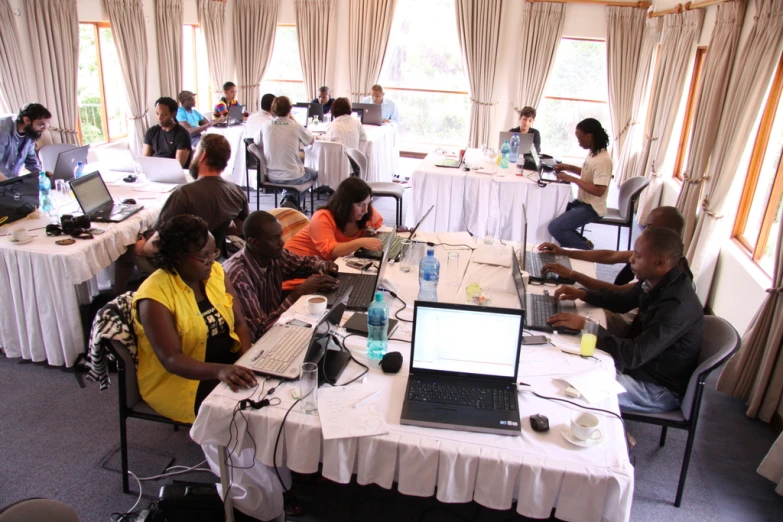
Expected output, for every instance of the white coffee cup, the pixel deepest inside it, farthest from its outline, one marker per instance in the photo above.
(584, 426)
(19, 234)
(315, 305)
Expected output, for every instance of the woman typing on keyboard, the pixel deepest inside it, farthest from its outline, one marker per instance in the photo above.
(190, 327)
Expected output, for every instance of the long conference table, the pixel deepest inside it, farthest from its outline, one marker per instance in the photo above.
(540, 472)
(484, 200)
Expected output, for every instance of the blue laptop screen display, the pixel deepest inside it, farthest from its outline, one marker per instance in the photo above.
(466, 341)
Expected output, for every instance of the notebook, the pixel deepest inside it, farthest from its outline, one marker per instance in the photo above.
(96, 201)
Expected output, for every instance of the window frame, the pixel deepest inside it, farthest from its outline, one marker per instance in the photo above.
(194, 29)
(96, 26)
(691, 102)
(756, 252)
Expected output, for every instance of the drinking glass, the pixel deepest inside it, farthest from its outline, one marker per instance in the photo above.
(589, 338)
(489, 237)
(308, 388)
(327, 118)
(407, 255)
(452, 268)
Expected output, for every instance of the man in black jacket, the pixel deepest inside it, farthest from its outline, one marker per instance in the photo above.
(655, 361)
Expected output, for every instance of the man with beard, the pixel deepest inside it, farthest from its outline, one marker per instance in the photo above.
(17, 140)
(257, 273)
(168, 139)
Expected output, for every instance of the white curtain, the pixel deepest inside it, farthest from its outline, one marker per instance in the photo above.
(624, 38)
(53, 27)
(314, 29)
(772, 465)
(631, 131)
(478, 30)
(130, 39)
(542, 28)
(212, 18)
(370, 23)
(753, 70)
(714, 84)
(168, 23)
(12, 81)
(255, 23)
(678, 47)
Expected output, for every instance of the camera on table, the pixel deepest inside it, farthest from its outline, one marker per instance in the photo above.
(74, 225)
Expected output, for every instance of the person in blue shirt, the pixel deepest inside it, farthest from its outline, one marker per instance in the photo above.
(324, 98)
(389, 112)
(193, 121)
(18, 137)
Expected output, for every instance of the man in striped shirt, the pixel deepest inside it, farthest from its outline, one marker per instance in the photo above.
(257, 273)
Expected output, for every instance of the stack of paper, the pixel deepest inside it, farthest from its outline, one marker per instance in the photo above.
(594, 385)
(342, 419)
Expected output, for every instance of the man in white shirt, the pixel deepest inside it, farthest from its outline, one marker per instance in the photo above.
(389, 112)
(257, 119)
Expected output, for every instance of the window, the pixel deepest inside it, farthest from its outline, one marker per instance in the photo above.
(283, 75)
(195, 76)
(758, 220)
(101, 92)
(422, 73)
(576, 89)
(691, 101)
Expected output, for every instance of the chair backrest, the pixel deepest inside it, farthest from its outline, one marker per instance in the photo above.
(360, 159)
(257, 150)
(329, 159)
(220, 234)
(38, 509)
(48, 154)
(291, 220)
(250, 161)
(125, 363)
(629, 192)
(719, 342)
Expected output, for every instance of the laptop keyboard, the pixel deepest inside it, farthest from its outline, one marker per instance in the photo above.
(479, 398)
(396, 246)
(277, 358)
(539, 309)
(363, 288)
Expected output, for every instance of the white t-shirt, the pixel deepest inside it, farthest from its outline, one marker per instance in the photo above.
(346, 130)
(254, 122)
(281, 138)
(598, 171)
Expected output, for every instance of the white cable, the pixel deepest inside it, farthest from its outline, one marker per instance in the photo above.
(184, 470)
(138, 499)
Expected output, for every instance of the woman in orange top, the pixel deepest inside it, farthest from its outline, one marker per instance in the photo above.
(341, 226)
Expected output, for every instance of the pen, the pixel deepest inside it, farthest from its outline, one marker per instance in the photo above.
(366, 399)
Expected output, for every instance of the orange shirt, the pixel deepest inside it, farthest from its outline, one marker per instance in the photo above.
(322, 235)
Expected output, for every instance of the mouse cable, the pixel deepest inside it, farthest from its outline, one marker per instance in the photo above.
(404, 305)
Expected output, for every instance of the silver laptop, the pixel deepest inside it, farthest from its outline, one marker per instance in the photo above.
(120, 160)
(300, 115)
(162, 170)
(525, 141)
(236, 115)
(373, 114)
(96, 201)
(66, 162)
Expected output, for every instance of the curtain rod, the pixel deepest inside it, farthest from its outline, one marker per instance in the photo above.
(689, 6)
(641, 4)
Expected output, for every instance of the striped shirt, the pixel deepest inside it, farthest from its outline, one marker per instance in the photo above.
(260, 290)
(346, 130)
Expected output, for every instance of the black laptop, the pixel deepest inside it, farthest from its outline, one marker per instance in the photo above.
(539, 307)
(18, 198)
(373, 114)
(463, 368)
(97, 203)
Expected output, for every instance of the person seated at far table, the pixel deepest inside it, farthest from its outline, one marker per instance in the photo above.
(655, 361)
(344, 128)
(167, 139)
(324, 98)
(258, 270)
(189, 324)
(18, 137)
(255, 120)
(193, 121)
(389, 112)
(342, 226)
(593, 182)
(228, 100)
(526, 118)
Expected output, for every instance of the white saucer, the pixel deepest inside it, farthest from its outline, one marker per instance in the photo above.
(23, 242)
(566, 432)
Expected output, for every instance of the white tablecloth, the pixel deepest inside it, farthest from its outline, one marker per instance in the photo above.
(482, 203)
(235, 170)
(541, 471)
(42, 284)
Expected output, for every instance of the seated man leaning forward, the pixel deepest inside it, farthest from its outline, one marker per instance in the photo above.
(189, 323)
(655, 362)
(257, 273)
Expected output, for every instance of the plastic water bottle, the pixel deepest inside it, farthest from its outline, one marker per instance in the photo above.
(78, 170)
(514, 143)
(504, 152)
(429, 274)
(377, 327)
(44, 187)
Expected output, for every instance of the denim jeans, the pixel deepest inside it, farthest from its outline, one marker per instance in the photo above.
(309, 175)
(645, 397)
(563, 227)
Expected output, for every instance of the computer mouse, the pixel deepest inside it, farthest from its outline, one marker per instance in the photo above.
(539, 422)
(129, 201)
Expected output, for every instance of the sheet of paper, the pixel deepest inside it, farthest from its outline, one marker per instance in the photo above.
(595, 384)
(152, 186)
(340, 419)
(498, 255)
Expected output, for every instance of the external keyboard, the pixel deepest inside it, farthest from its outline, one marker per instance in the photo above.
(479, 398)
(277, 358)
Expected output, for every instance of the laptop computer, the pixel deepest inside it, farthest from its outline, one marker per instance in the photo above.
(66, 162)
(535, 261)
(358, 114)
(373, 114)
(396, 246)
(281, 351)
(236, 115)
(121, 160)
(360, 288)
(162, 170)
(300, 115)
(97, 203)
(18, 198)
(313, 109)
(525, 141)
(452, 163)
(463, 368)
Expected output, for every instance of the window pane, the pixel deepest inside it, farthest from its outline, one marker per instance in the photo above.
(579, 71)
(767, 260)
(557, 121)
(285, 64)
(432, 117)
(205, 99)
(89, 90)
(188, 60)
(113, 86)
(294, 90)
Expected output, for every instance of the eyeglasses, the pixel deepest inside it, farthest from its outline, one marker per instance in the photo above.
(208, 258)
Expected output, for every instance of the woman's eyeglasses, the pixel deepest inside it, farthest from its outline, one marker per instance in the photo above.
(207, 258)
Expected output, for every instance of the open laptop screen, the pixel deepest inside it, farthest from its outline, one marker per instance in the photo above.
(466, 339)
(91, 192)
(300, 115)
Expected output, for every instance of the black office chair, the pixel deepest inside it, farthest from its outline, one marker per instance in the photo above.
(623, 216)
(251, 163)
(719, 342)
(257, 150)
(220, 234)
(380, 189)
